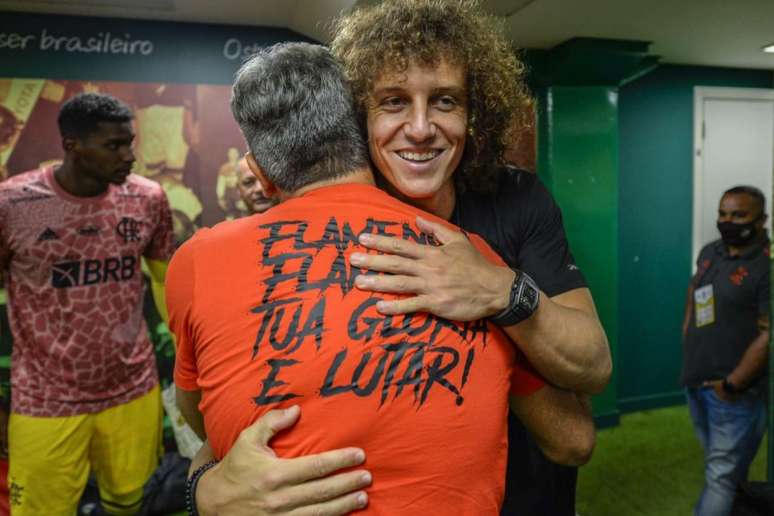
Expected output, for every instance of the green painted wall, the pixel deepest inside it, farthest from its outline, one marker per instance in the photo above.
(577, 84)
(578, 160)
(655, 225)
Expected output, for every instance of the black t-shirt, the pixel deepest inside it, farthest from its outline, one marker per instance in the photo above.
(731, 293)
(523, 224)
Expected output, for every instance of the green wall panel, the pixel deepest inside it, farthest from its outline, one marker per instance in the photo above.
(656, 200)
(578, 161)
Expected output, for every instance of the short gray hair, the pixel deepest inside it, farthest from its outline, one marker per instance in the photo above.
(295, 110)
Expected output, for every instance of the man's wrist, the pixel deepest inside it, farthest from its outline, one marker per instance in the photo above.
(729, 387)
(505, 278)
(523, 301)
(204, 494)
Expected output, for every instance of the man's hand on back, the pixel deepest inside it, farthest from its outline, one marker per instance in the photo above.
(252, 480)
(452, 280)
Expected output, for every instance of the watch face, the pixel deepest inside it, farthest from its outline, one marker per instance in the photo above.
(530, 296)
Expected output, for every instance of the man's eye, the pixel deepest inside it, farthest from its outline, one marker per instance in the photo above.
(446, 102)
(393, 102)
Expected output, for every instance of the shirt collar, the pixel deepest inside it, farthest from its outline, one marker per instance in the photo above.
(722, 249)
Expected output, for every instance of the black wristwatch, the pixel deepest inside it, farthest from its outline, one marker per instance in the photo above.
(729, 387)
(525, 297)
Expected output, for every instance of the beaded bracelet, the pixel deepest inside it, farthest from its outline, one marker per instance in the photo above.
(190, 487)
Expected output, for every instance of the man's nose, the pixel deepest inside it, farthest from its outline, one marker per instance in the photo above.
(419, 127)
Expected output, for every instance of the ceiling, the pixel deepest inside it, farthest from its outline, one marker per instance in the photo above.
(699, 32)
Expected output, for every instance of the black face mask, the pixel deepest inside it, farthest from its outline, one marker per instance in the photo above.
(737, 234)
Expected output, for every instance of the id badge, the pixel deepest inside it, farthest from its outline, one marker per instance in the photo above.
(704, 301)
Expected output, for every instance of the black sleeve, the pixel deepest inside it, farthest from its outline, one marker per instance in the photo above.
(545, 254)
(704, 255)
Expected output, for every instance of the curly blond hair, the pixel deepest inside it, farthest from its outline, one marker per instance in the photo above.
(389, 36)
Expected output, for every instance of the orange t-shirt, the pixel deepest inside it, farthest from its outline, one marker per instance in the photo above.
(266, 316)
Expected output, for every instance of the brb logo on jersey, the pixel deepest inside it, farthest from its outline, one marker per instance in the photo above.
(90, 272)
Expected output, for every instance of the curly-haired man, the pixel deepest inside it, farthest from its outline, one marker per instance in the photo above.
(438, 91)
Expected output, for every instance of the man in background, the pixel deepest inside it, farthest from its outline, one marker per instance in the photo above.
(251, 191)
(725, 346)
(84, 382)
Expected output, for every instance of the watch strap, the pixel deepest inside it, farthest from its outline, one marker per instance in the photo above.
(524, 299)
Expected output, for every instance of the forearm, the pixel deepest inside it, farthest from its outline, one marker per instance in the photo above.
(157, 289)
(203, 456)
(188, 403)
(195, 421)
(566, 345)
(157, 270)
(561, 423)
(688, 309)
(207, 485)
(752, 364)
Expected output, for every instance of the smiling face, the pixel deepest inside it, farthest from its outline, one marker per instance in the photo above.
(417, 125)
(104, 156)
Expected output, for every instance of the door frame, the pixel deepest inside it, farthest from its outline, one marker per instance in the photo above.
(700, 94)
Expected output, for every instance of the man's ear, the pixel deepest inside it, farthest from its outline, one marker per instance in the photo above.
(69, 143)
(269, 190)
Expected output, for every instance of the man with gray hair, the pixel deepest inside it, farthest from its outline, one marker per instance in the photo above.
(266, 317)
